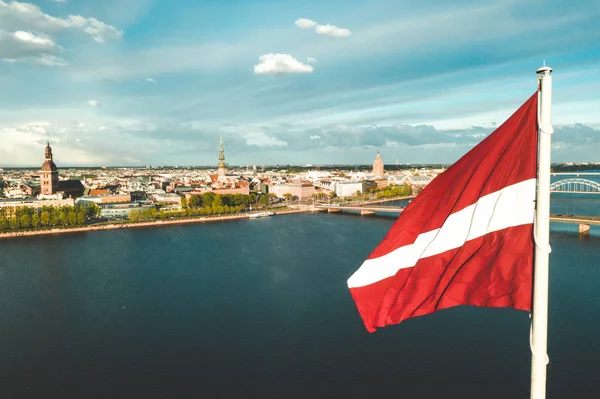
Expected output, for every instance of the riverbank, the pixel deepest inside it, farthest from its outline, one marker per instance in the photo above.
(115, 226)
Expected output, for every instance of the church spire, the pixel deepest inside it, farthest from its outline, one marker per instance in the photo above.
(48, 152)
(222, 170)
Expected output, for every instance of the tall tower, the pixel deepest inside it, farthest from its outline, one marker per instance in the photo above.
(49, 174)
(378, 165)
(222, 170)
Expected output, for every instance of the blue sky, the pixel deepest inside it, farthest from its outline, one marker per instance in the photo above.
(142, 82)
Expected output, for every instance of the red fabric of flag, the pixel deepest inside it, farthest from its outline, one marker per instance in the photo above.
(466, 239)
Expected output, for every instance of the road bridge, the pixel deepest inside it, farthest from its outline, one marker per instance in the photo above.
(576, 174)
(364, 210)
(584, 222)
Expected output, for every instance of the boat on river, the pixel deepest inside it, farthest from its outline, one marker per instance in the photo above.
(260, 215)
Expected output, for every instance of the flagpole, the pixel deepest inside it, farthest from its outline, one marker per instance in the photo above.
(539, 335)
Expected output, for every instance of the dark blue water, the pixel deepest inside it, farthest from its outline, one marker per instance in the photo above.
(260, 309)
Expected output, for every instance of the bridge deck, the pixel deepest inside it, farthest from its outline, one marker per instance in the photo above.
(389, 209)
(591, 220)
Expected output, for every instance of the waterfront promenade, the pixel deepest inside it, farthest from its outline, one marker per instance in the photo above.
(115, 226)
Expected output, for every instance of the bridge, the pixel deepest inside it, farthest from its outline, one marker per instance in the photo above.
(364, 210)
(575, 174)
(575, 185)
(584, 222)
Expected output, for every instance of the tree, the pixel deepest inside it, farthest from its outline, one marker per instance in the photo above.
(207, 199)
(287, 196)
(80, 218)
(45, 218)
(13, 223)
(195, 201)
(217, 204)
(183, 202)
(72, 217)
(264, 200)
(25, 221)
(63, 219)
(217, 200)
(35, 220)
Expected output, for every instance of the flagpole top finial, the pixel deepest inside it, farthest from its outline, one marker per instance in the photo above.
(546, 70)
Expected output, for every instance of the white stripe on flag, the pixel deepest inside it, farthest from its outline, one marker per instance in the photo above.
(509, 207)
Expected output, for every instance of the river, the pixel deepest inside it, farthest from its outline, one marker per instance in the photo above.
(260, 308)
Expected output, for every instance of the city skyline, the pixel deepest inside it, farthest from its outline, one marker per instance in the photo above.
(156, 83)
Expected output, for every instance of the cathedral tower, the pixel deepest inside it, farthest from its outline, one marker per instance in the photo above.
(49, 174)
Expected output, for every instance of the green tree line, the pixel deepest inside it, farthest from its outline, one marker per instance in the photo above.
(206, 204)
(232, 200)
(26, 218)
(392, 191)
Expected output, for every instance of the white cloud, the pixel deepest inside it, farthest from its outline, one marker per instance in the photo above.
(311, 60)
(23, 46)
(280, 64)
(328, 30)
(50, 60)
(305, 23)
(94, 103)
(59, 1)
(332, 30)
(150, 80)
(25, 16)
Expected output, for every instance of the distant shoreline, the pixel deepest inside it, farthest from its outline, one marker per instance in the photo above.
(139, 224)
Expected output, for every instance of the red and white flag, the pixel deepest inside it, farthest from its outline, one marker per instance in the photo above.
(466, 239)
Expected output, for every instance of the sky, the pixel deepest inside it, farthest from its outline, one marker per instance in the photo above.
(157, 82)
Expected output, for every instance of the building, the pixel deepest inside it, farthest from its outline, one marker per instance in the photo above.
(222, 169)
(105, 199)
(419, 181)
(49, 174)
(302, 190)
(71, 188)
(121, 211)
(167, 198)
(35, 204)
(348, 188)
(378, 166)
(51, 187)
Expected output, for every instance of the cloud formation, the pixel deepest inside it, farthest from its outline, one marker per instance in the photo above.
(150, 80)
(49, 60)
(305, 23)
(332, 30)
(26, 33)
(273, 64)
(185, 143)
(94, 103)
(326, 30)
(21, 45)
(311, 59)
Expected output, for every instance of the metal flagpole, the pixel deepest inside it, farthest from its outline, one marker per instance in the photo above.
(539, 334)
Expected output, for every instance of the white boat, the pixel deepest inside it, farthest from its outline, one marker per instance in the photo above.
(260, 215)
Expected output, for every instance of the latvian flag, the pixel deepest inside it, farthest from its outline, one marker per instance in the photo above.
(466, 239)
